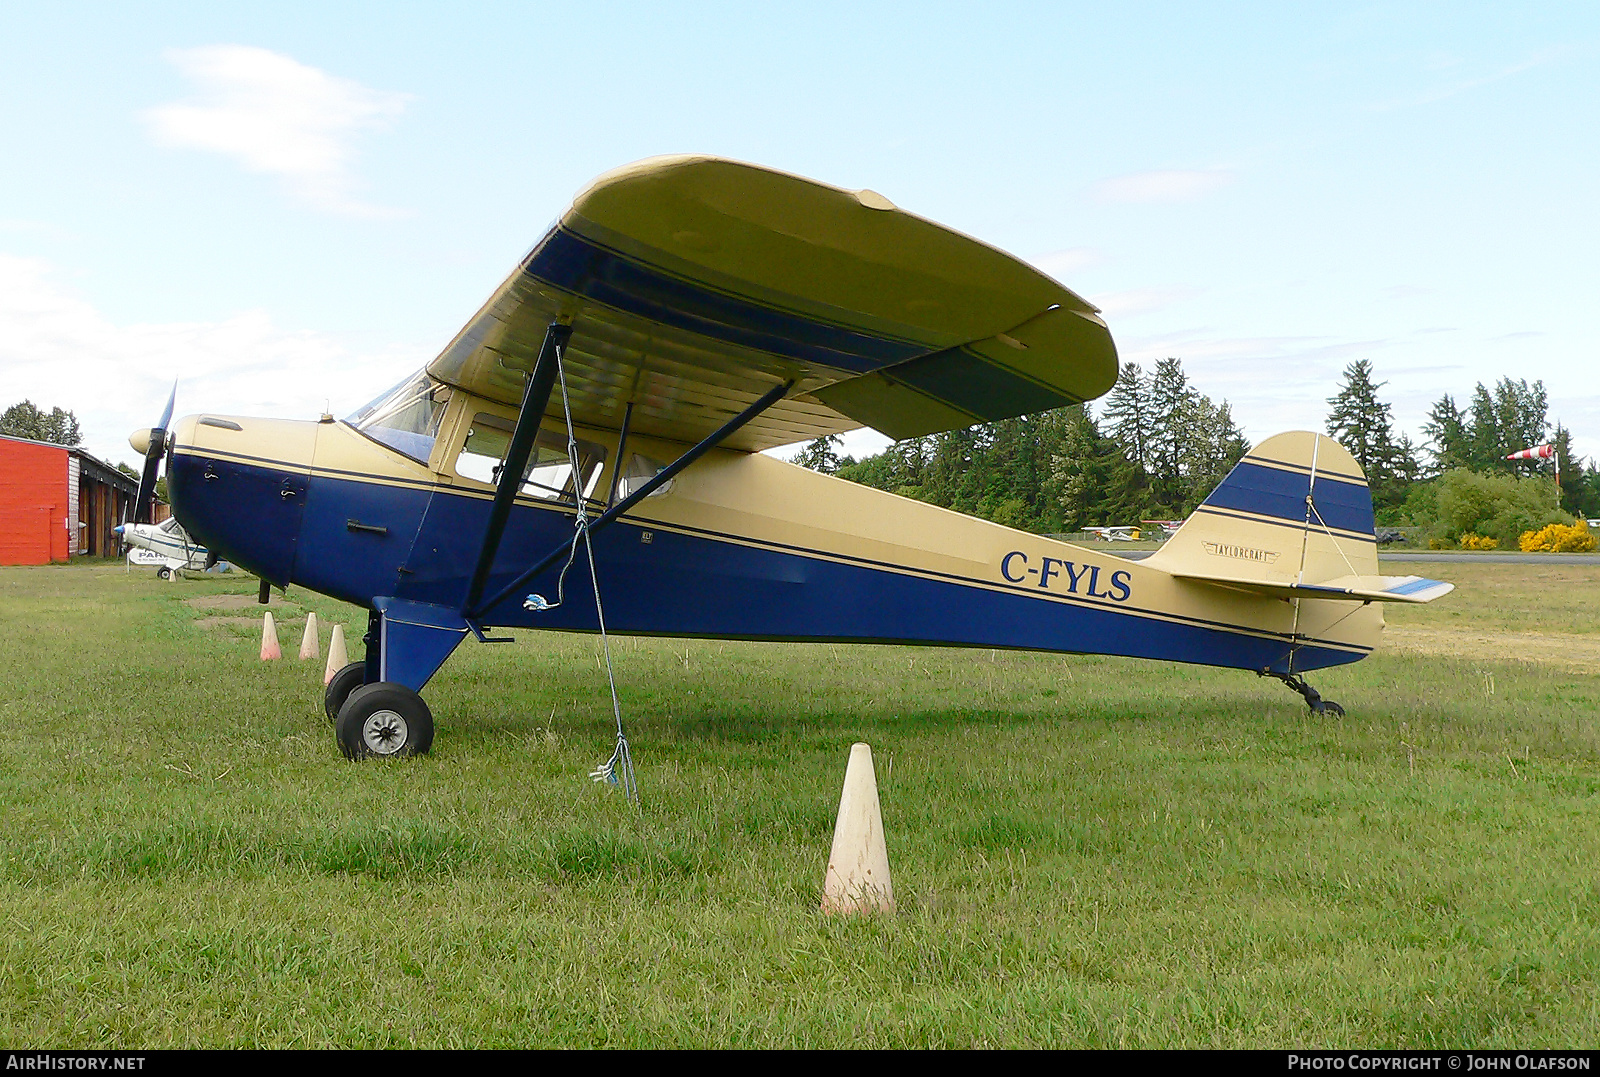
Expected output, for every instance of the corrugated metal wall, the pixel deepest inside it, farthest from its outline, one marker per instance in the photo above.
(74, 534)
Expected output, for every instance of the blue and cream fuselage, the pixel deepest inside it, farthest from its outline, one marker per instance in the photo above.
(739, 546)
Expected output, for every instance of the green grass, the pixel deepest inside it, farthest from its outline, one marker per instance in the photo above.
(1086, 852)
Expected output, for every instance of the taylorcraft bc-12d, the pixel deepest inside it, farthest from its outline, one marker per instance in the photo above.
(607, 408)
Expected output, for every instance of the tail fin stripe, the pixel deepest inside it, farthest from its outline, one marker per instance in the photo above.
(1278, 521)
(1267, 491)
(1344, 506)
(1305, 469)
(1312, 504)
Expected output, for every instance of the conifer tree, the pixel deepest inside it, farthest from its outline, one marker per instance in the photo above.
(821, 455)
(1170, 410)
(1363, 424)
(1127, 417)
(1446, 430)
(1572, 473)
(1211, 445)
(1522, 415)
(1511, 417)
(1483, 433)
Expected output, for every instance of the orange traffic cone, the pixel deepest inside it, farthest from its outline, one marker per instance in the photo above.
(337, 657)
(309, 644)
(269, 638)
(858, 867)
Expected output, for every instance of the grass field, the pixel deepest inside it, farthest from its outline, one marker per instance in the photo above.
(1087, 852)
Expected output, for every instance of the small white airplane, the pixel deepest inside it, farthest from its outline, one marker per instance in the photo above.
(1114, 534)
(1168, 527)
(166, 545)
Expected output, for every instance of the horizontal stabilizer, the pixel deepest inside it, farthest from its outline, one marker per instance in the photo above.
(1348, 588)
(1292, 520)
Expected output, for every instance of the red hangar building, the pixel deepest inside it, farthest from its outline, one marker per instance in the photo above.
(58, 502)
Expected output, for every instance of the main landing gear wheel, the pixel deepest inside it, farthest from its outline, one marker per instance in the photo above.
(344, 682)
(384, 720)
(164, 573)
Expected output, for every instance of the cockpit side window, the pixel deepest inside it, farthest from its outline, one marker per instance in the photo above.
(549, 473)
(406, 418)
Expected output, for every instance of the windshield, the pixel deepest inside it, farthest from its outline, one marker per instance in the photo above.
(406, 418)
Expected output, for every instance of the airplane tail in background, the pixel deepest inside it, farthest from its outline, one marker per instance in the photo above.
(1293, 519)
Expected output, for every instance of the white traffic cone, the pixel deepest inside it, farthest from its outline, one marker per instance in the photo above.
(858, 866)
(337, 658)
(309, 644)
(269, 638)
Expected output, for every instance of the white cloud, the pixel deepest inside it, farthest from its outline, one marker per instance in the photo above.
(59, 351)
(1174, 185)
(1449, 90)
(1404, 291)
(277, 116)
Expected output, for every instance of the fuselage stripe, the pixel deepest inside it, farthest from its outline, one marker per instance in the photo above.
(803, 551)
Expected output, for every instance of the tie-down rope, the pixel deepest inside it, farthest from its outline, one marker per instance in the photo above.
(618, 770)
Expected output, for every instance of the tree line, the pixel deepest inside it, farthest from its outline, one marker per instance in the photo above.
(27, 420)
(1158, 446)
(1459, 485)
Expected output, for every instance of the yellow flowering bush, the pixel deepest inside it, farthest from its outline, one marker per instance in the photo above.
(1470, 541)
(1557, 538)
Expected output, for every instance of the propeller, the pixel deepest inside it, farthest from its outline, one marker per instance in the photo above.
(153, 443)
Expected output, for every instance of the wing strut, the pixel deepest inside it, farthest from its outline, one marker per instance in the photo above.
(660, 479)
(616, 465)
(534, 400)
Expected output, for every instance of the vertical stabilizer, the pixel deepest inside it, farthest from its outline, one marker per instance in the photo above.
(1295, 511)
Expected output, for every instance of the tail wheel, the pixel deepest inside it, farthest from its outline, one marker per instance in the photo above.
(344, 682)
(384, 720)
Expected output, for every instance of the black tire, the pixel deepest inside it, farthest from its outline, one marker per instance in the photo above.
(384, 720)
(164, 573)
(344, 682)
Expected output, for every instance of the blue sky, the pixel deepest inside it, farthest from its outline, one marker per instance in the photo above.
(299, 203)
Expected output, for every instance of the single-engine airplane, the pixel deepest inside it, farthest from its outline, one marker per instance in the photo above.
(166, 545)
(1114, 534)
(683, 315)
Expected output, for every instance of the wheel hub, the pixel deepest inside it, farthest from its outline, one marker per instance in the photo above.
(384, 732)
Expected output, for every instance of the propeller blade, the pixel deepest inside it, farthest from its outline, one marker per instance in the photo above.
(144, 504)
(144, 509)
(166, 416)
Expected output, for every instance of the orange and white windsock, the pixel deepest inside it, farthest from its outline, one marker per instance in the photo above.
(1538, 452)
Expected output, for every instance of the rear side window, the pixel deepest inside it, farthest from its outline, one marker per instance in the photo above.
(640, 470)
(549, 474)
